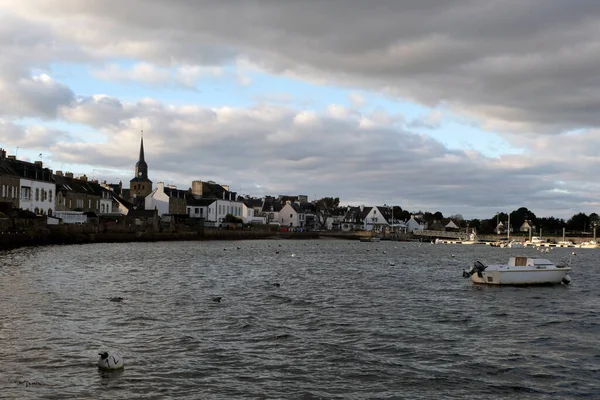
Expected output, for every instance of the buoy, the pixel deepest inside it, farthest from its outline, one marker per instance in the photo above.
(110, 361)
(293, 255)
(574, 253)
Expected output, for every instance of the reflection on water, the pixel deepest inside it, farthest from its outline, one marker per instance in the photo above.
(296, 319)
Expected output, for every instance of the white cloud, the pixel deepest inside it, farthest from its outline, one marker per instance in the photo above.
(356, 100)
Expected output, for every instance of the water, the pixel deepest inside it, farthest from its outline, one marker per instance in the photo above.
(342, 323)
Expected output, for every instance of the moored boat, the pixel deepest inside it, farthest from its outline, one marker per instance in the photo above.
(519, 271)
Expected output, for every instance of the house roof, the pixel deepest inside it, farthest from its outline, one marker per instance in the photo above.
(175, 193)
(26, 170)
(386, 212)
(451, 225)
(122, 201)
(215, 191)
(78, 186)
(252, 202)
(271, 205)
(199, 201)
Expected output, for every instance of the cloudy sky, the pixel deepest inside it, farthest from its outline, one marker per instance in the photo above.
(459, 106)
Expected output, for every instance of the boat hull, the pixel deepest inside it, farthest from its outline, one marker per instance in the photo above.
(521, 276)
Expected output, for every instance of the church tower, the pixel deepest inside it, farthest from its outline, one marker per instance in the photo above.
(140, 186)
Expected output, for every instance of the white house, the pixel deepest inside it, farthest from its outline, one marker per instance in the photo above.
(158, 199)
(248, 215)
(416, 223)
(37, 196)
(292, 215)
(199, 208)
(378, 219)
(213, 210)
(106, 201)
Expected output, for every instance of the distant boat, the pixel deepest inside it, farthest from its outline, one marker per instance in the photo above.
(370, 239)
(592, 244)
(471, 240)
(519, 271)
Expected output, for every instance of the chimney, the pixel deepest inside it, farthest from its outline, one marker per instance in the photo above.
(69, 175)
(226, 187)
(38, 163)
(12, 157)
(161, 187)
(83, 178)
(197, 188)
(2, 154)
(58, 173)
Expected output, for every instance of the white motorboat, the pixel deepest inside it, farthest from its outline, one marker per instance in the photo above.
(520, 271)
(592, 244)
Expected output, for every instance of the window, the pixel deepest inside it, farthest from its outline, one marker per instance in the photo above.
(3, 190)
(197, 210)
(50, 196)
(291, 215)
(37, 195)
(26, 193)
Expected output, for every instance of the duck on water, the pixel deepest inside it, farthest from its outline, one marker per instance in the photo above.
(520, 271)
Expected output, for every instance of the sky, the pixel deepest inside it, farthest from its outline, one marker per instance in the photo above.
(461, 106)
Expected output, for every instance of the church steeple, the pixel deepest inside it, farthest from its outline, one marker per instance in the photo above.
(141, 168)
(142, 150)
(140, 186)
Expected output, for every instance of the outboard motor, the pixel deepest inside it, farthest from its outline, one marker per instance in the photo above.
(566, 279)
(478, 267)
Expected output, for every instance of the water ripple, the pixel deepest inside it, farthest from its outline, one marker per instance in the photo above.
(336, 320)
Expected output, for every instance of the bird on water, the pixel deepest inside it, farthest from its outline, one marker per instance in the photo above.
(110, 361)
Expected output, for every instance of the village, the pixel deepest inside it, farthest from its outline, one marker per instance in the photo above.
(53, 198)
(30, 189)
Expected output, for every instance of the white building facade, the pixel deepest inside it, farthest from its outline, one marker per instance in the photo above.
(37, 196)
(158, 199)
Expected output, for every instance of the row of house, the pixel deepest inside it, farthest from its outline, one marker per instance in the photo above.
(32, 187)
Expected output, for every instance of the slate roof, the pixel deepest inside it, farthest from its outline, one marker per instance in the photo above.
(216, 191)
(175, 193)
(386, 212)
(26, 170)
(194, 201)
(78, 186)
(271, 204)
(252, 202)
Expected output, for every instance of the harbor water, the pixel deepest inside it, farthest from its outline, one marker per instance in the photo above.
(297, 319)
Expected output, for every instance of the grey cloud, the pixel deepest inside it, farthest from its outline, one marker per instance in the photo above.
(32, 136)
(265, 147)
(515, 65)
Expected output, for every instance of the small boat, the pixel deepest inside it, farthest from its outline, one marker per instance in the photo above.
(370, 239)
(592, 244)
(520, 271)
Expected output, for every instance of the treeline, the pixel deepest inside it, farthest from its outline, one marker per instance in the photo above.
(580, 223)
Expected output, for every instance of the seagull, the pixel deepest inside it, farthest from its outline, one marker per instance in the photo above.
(110, 361)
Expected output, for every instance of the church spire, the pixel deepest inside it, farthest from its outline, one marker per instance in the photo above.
(141, 158)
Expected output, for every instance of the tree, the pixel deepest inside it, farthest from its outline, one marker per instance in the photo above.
(232, 219)
(578, 222)
(518, 217)
(325, 208)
